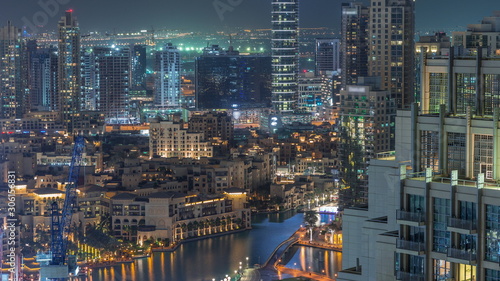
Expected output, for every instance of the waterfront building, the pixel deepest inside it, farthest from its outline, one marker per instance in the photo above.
(69, 70)
(285, 54)
(432, 205)
(392, 48)
(173, 217)
(354, 45)
(327, 56)
(171, 139)
(167, 91)
(226, 79)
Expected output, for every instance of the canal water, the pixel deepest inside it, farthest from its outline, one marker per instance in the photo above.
(213, 258)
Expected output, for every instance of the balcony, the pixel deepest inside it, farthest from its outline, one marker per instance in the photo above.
(406, 276)
(147, 228)
(461, 256)
(410, 218)
(410, 247)
(462, 226)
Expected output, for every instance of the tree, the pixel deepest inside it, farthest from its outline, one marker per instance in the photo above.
(310, 219)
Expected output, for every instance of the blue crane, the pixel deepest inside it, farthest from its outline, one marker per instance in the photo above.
(61, 224)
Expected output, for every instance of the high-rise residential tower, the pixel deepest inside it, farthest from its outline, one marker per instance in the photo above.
(285, 54)
(327, 56)
(354, 45)
(167, 91)
(113, 81)
(10, 92)
(42, 77)
(69, 69)
(392, 48)
(139, 67)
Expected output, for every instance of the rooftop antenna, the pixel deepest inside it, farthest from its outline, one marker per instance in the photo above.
(230, 49)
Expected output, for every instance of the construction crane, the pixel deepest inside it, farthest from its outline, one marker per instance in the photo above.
(61, 224)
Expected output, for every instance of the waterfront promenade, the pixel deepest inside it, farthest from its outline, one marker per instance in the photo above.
(272, 269)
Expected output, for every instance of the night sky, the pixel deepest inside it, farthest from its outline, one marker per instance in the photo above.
(200, 15)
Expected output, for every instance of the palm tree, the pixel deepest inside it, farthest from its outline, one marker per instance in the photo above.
(196, 226)
(310, 219)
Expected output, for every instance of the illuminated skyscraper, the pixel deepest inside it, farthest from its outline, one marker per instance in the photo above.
(105, 83)
(354, 43)
(10, 91)
(69, 69)
(167, 92)
(392, 48)
(139, 67)
(285, 54)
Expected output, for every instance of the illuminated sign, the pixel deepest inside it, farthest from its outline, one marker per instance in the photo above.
(356, 89)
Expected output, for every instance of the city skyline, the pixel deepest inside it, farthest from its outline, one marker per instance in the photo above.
(220, 14)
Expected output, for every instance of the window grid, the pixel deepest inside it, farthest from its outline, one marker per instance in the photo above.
(456, 153)
(492, 275)
(483, 155)
(438, 91)
(441, 237)
(429, 150)
(491, 93)
(492, 233)
(466, 91)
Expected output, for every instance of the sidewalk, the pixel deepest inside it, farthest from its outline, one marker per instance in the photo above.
(251, 274)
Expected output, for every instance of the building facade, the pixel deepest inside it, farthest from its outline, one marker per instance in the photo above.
(366, 116)
(432, 204)
(10, 63)
(327, 56)
(355, 17)
(69, 70)
(285, 54)
(314, 92)
(217, 125)
(113, 83)
(170, 139)
(226, 79)
(392, 48)
(485, 35)
(167, 92)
